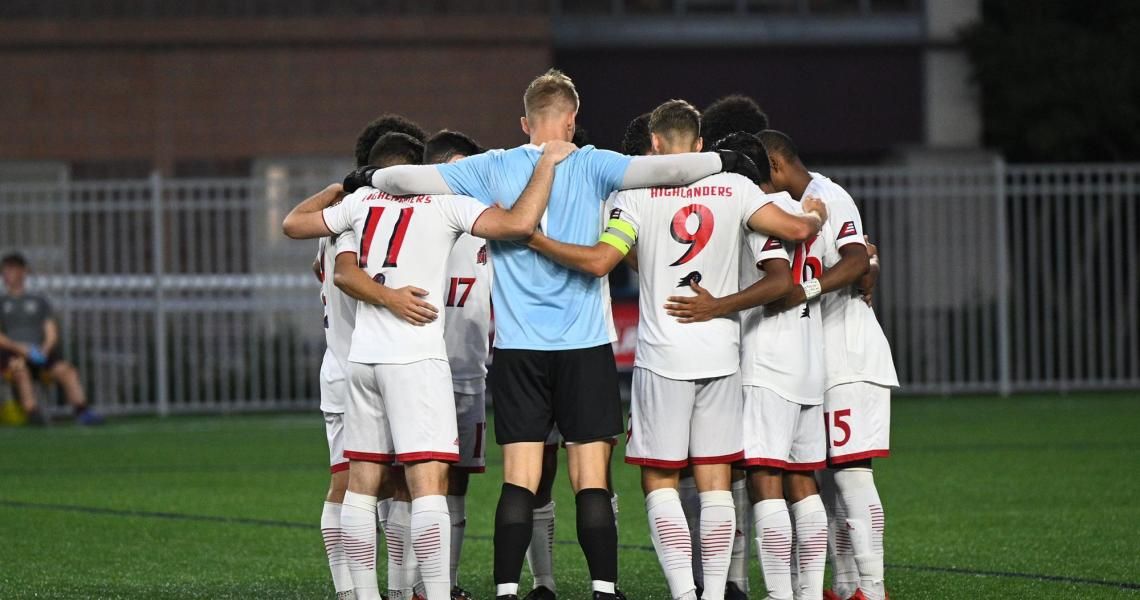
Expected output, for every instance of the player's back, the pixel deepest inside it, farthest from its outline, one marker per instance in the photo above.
(339, 308)
(688, 234)
(855, 347)
(467, 290)
(782, 350)
(539, 304)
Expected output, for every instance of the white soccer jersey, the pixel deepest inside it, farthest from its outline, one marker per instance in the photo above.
(402, 241)
(783, 350)
(339, 317)
(855, 348)
(688, 233)
(467, 328)
(607, 298)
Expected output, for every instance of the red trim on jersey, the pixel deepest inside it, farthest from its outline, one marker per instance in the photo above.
(657, 464)
(369, 456)
(846, 458)
(723, 459)
(469, 469)
(764, 462)
(338, 467)
(815, 466)
(476, 221)
(449, 457)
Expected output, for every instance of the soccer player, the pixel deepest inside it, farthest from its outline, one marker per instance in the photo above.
(859, 376)
(467, 330)
(401, 405)
(686, 385)
(729, 115)
(783, 375)
(553, 360)
(378, 128)
(29, 346)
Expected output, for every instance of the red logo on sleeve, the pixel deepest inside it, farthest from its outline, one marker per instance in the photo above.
(773, 244)
(848, 229)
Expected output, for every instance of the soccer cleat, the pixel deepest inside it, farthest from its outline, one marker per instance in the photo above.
(858, 595)
(507, 597)
(604, 596)
(733, 592)
(458, 593)
(38, 418)
(618, 594)
(89, 417)
(540, 593)
(350, 595)
(830, 595)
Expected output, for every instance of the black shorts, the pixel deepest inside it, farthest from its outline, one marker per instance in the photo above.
(534, 389)
(37, 372)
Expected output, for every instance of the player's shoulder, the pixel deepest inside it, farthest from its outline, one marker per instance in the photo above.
(785, 201)
(733, 180)
(827, 189)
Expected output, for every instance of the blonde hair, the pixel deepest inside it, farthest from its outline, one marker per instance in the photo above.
(551, 90)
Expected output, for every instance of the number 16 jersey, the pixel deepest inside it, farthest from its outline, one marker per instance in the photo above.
(687, 234)
(403, 240)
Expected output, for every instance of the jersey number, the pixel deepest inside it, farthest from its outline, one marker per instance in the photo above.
(838, 421)
(394, 243)
(696, 240)
(454, 291)
(806, 267)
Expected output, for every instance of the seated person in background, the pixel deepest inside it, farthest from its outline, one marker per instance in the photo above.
(29, 346)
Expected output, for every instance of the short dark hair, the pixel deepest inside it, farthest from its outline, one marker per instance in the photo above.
(675, 117)
(730, 114)
(581, 136)
(750, 146)
(636, 140)
(396, 149)
(14, 259)
(381, 125)
(777, 142)
(446, 143)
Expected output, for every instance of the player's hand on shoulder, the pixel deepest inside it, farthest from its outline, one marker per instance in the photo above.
(358, 178)
(815, 204)
(693, 309)
(408, 304)
(732, 161)
(558, 150)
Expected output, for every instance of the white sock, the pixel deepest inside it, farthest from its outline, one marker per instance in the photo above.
(358, 535)
(865, 524)
(795, 562)
(670, 533)
(718, 527)
(540, 554)
(401, 567)
(431, 541)
(334, 549)
(457, 507)
(773, 528)
(845, 573)
(691, 504)
(811, 546)
(738, 566)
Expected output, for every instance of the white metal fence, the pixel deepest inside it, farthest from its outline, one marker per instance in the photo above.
(182, 296)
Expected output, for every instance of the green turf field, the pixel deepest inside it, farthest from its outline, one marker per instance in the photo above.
(1033, 497)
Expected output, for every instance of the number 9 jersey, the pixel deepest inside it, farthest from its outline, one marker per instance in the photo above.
(686, 234)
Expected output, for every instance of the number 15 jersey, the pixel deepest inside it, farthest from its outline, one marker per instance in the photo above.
(403, 240)
(687, 234)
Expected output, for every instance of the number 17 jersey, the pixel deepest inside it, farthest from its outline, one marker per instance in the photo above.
(403, 240)
(688, 234)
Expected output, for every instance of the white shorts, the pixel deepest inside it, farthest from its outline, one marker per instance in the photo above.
(780, 433)
(676, 423)
(858, 421)
(471, 417)
(401, 412)
(334, 431)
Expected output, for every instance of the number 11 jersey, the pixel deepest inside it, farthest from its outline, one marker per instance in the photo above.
(403, 240)
(688, 234)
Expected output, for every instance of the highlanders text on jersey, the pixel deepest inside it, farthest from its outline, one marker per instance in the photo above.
(688, 234)
(783, 351)
(402, 241)
(467, 331)
(855, 348)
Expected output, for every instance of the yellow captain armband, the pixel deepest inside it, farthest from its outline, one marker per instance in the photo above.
(620, 235)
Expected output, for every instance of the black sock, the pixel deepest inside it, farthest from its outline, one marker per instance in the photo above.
(597, 534)
(513, 521)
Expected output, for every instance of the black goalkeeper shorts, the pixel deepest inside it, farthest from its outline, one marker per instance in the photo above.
(576, 389)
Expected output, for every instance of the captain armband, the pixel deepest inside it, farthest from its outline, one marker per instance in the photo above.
(620, 235)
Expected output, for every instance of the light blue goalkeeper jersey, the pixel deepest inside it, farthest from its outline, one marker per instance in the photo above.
(539, 304)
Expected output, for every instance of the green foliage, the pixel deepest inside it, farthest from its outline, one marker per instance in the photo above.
(1060, 79)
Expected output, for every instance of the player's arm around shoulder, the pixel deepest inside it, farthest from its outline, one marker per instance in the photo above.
(616, 241)
(406, 303)
(519, 222)
(773, 220)
(307, 219)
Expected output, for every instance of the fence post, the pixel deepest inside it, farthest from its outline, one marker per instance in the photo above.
(158, 256)
(1004, 332)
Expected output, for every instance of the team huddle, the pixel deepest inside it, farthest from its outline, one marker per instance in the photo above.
(761, 387)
